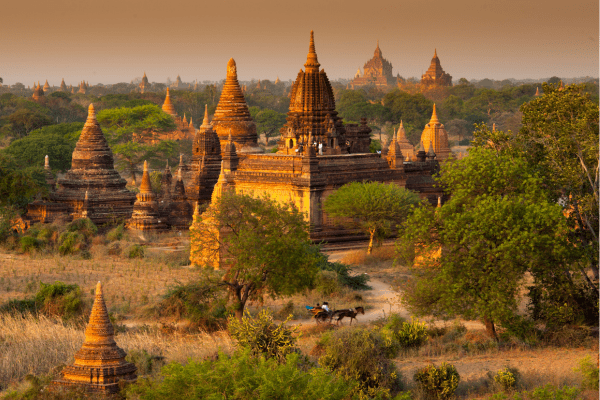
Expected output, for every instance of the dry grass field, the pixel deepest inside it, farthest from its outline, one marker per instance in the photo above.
(133, 286)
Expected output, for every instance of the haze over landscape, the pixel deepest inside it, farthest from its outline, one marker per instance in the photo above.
(114, 41)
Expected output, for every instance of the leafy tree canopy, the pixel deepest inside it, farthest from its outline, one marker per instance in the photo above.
(376, 208)
(18, 185)
(264, 245)
(119, 124)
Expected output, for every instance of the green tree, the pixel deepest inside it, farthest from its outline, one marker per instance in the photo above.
(18, 185)
(473, 252)
(131, 154)
(25, 120)
(264, 247)
(376, 208)
(560, 136)
(269, 122)
(119, 124)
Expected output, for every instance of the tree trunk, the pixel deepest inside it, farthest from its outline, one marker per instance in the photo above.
(490, 328)
(133, 177)
(370, 248)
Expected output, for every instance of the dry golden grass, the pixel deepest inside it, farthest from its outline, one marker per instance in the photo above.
(129, 283)
(31, 345)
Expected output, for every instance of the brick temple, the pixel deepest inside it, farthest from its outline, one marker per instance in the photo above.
(377, 71)
(435, 75)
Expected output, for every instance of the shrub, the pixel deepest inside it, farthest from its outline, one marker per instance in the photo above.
(438, 382)
(507, 378)
(71, 243)
(116, 233)
(327, 283)
(356, 282)
(29, 243)
(136, 251)
(412, 334)
(85, 226)
(360, 354)
(145, 362)
(262, 336)
(589, 371)
(242, 377)
(201, 302)
(59, 299)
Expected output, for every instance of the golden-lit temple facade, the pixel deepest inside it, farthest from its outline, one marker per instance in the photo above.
(377, 71)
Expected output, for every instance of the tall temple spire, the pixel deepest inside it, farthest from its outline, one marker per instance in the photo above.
(434, 117)
(435, 53)
(205, 121)
(312, 63)
(145, 187)
(168, 106)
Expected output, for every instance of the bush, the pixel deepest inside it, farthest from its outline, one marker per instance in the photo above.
(116, 233)
(85, 226)
(145, 362)
(356, 282)
(242, 377)
(201, 302)
(411, 334)
(29, 243)
(507, 378)
(262, 336)
(589, 371)
(71, 243)
(59, 299)
(136, 251)
(438, 382)
(327, 283)
(361, 354)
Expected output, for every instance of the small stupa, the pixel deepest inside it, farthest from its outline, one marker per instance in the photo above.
(407, 148)
(180, 211)
(99, 364)
(436, 134)
(168, 106)
(146, 216)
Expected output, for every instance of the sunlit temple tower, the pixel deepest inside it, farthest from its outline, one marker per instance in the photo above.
(377, 71)
(233, 117)
(100, 364)
(38, 92)
(63, 86)
(435, 135)
(435, 75)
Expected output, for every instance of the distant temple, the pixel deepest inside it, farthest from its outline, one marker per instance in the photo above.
(100, 364)
(144, 83)
(37, 91)
(435, 75)
(377, 71)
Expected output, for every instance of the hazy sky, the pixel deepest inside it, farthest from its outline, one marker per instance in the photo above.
(113, 41)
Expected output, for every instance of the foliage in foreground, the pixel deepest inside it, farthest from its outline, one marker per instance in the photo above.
(547, 392)
(262, 336)
(589, 371)
(362, 355)
(243, 376)
(438, 382)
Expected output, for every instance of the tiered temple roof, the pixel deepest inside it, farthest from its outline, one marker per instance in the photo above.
(232, 115)
(92, 169)
(312, 118)
(206, 162)
(435, 75)
(37, 91)
(377, 71)
(63, 86)
(435, 135)
(46, 86)
(99, 364)
(180, 210)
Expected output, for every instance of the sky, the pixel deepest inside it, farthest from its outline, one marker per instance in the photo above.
(112, 41)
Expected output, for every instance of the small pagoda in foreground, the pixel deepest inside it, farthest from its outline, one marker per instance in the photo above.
(100, 364)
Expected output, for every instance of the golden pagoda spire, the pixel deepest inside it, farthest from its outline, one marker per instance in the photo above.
(47, 162)
(146, 187)
(91, 118)
(231, 69)
(312, 63)
(205, 121)
(168, 106)
(434, 117)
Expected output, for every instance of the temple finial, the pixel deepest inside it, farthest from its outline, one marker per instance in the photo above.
(435, 53)
(205, 120)
(434, 117)
(312, 63)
